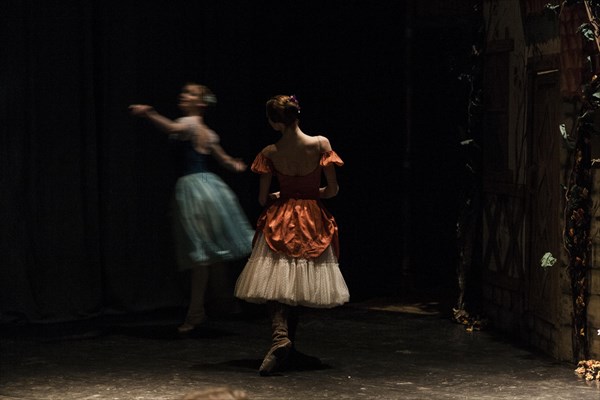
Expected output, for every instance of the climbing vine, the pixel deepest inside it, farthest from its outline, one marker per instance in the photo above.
(577, 213)
(576, 234)
(469, 202)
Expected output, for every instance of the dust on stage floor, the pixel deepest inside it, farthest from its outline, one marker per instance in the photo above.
(378, 349)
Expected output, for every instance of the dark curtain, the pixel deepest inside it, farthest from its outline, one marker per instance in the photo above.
(86, 188)
(51, 193)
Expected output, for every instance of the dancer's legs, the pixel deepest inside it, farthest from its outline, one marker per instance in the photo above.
(196, 313)
(281, 344)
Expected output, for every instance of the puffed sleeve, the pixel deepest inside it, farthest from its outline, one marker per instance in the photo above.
(262, 165)
(330, 157)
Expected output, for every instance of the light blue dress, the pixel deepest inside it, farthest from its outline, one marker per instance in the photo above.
(209, 223)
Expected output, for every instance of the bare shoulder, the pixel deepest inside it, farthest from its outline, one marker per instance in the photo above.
(324, 143)
(269, 150)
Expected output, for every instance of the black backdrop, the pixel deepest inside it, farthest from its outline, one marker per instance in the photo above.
(86, 187)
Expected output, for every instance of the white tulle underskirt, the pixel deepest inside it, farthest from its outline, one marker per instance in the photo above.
(316, 283)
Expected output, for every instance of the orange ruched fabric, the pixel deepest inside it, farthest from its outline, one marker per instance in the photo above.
(297, 224)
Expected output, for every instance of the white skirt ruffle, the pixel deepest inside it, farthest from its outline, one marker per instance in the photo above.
(316, 283)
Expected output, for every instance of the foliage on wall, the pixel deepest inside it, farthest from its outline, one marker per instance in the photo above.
(577, 213)
(576, 234)
(469, 201)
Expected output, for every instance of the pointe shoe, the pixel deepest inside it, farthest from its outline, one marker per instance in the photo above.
(276, 359)
(188, 326)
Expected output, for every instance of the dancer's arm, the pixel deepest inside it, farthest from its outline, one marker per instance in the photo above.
(263, 188)
(161, 122)
(232, 164)
(332, 188)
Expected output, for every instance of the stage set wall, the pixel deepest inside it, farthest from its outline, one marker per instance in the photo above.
(530, 67)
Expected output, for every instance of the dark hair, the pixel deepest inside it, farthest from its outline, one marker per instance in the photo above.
(283, 108)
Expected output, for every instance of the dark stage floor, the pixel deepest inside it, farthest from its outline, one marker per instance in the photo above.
(384, 349)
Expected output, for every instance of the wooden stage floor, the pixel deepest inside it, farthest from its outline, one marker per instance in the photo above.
(379, 349)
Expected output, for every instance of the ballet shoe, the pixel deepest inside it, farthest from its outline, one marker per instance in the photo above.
(188, 327)
(276, 359)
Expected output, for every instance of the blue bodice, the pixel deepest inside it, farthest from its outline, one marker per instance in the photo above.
(189, 160)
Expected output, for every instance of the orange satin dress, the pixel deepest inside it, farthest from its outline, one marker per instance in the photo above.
(297, 224)
(295, 248)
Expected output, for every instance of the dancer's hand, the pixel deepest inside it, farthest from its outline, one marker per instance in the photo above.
(239, 165)
(140, 110)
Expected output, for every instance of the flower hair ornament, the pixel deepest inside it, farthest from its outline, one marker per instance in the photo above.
(294, 99)
(210, 99)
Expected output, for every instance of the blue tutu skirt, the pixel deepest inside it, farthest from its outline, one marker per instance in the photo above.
(210, 225)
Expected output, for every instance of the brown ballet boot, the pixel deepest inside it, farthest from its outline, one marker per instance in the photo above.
(276, 357)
